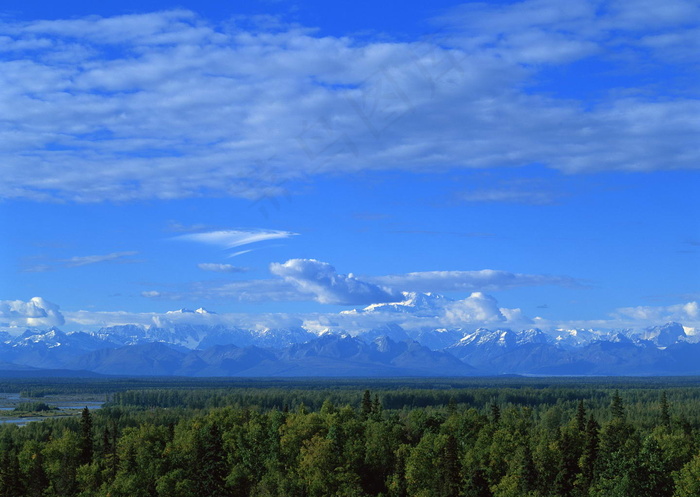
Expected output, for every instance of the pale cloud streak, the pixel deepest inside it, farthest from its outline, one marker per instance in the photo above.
(220, 268)
(469, 281)
(96, 259)
(229, 239)
(83, 260)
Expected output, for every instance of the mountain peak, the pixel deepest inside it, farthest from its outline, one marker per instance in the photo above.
(181, 311)
(202, 310)
(416, 303)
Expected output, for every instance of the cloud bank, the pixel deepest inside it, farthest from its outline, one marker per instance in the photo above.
(301, 280)
(169, 105)
(321, 280)
(37, 312)
(687, 312)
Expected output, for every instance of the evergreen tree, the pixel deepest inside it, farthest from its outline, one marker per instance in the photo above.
(495, 413)
(652, 476)
(568, 465)
(210, 473)
(581, 417)
(527, 472)
(476, 484)
(366, 406)
(451, 467)
(86, 443)
(377, 406)
(11, 484)
(665, 415)
(617, 409)
(589, 457)
(37, 481)
(452, 405)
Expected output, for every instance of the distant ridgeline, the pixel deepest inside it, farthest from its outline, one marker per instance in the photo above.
(480, 437)
(389, 351)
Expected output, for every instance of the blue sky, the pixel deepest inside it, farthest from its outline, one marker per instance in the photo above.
(302, 159)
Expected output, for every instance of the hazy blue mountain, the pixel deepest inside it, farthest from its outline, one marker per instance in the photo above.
(387, 350)
(148, 359)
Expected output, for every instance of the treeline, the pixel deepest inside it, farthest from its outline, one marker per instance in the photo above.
(480, 442)
(44, 386)
(642, 403)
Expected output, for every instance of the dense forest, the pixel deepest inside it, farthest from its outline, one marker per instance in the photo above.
(506, 437)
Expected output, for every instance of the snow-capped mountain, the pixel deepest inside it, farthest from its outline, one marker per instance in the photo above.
(397, 340)
(417, 304)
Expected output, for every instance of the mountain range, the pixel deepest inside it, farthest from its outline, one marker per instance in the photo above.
(390, 350)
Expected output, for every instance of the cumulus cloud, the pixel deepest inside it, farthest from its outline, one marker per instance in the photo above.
(37, 312)
(412, 311)
(309, 279)
(478, 307)
(220, 268)
(170, 105)
(461, 281)
(321, 280)
(428, 311)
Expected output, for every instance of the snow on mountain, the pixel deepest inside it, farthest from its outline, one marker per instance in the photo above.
(424, 333)
(417, 304)
(201, 310)
(574, 338)
(665, 335)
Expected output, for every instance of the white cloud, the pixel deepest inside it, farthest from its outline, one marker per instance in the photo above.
(83, 260)
(461, 281)
(248, 291)
(417, 311)
(152, 294)
(425, 310)
(166, 105)
(37, 312)
(235, 238)
(309, 279)
(478, 307)
(684, 313)
(95, 259)
(220, 268)
(321, 280)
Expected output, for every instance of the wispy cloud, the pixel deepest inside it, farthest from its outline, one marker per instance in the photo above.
(229, 239)
(531, 197)
(96, 259)
(220, 268)
(83, 260)
(469, 281)
(171, 106)
(248, 291)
